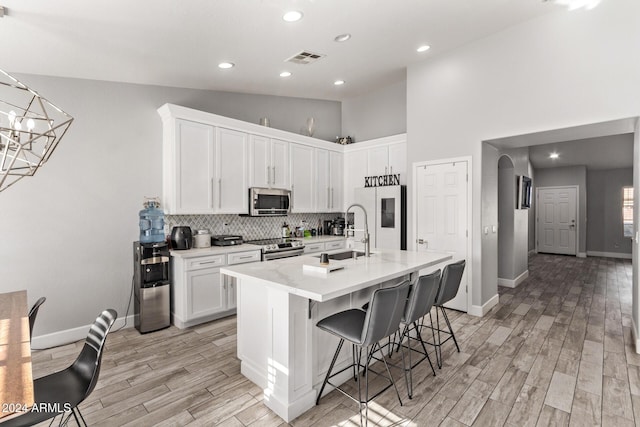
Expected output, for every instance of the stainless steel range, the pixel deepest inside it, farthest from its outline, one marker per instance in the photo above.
(279, 248)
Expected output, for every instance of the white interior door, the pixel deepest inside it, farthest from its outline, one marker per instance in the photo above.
(441, 215)
(556, 220)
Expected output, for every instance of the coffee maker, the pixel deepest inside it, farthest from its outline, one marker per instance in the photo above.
(338, 226)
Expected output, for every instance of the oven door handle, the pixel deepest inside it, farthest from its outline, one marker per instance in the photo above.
(283, 254)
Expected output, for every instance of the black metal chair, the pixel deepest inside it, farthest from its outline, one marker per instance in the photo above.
(60, 393)
(449, 285)
(421, 299)
(363, 329)
(33, 313)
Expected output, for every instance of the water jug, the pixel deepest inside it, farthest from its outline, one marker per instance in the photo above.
(151, 222)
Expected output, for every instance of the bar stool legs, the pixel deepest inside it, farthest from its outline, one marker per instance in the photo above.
(438, 340)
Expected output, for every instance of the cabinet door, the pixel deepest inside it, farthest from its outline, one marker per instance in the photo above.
(205, 293)
(336, 172)
(259, 161)
(355, 170)
(231, 172)
(302, 173)
(194, 168)
(232, 298)
(378, 159)
(323, 185)
(280, 164)
(398, 161)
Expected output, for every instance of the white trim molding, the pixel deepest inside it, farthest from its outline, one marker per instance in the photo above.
(512, 283)
(609, 254)
(581, 255)
(481, 310)
(68, 336)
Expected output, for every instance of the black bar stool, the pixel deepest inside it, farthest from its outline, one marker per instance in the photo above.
(421, 298)
(364, 330)
(449, 285)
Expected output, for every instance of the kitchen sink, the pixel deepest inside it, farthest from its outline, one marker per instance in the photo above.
(344, 255)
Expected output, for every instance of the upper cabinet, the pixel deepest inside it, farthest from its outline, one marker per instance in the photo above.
(268, 162)
(302, 178)
(388, 160)
(210, 161)
(188, 167)
(231, 193)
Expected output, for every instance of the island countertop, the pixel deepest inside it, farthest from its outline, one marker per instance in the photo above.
(289, 275)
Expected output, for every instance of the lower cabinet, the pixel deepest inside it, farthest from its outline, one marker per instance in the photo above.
(338, 244)
(199, 293)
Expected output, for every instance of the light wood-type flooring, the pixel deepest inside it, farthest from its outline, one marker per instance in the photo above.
(556, 350)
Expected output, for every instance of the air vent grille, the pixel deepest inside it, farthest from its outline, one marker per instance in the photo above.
(305, 57)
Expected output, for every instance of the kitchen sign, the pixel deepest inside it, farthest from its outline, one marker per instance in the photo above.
(382, 180)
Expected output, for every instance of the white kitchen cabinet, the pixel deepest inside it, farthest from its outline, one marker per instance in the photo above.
(268, 162)
(388, 160)
(188, 168)
(198, 292)
(302, 178)
(398, 161)
(338, 244)
(206, 293)
(323, 184)
(310, 248)
(336, 181)
(329, 181)
(231, 182)
(355, 170)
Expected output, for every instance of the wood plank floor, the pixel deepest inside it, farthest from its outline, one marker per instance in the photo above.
(556, 350)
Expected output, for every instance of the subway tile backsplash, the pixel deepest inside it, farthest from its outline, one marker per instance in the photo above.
(250, 228)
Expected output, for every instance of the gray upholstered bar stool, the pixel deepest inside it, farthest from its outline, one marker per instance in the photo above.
(363, 329)
(421, 298)
(449, 285)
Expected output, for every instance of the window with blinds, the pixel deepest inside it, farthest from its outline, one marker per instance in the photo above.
(627, 211)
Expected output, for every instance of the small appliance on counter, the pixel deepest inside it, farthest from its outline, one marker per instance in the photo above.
(338, 226)
(181, 238)
(202, 239)
(328, 227)
(226, 240)
(152, 305)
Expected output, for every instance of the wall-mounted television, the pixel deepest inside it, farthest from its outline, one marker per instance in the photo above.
(523, 201)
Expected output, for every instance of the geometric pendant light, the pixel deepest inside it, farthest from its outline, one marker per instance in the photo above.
(30, 129)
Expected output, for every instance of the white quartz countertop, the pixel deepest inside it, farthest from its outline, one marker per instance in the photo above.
(288, 274)
(214, 250)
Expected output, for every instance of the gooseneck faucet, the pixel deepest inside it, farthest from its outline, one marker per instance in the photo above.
(365, 240)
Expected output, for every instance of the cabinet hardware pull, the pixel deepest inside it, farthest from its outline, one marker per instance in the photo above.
(246, 257)
(208, 262)
(220, 193)
(328, 198)
(331, 197)
(292, 197)
(268, 175)
(212, 195)
(274, 175)
(385, 170)
(390, 170)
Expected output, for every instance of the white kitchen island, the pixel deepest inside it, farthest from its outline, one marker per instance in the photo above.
(279, 304)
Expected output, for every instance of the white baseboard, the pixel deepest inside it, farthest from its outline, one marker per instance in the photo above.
(609, 254)
(512, 283)
(634, 331)
(481, 310)
(532, 252)
(68, 336)
(582, 255)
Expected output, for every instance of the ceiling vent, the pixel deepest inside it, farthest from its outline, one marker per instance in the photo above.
(305, 57)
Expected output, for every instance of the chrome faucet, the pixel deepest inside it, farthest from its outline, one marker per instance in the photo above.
(366, 239)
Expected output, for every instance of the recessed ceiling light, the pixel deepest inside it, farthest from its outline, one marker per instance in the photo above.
(342, 37)
(423, 48)
(225, 65)
(292, 16)
(554, 155)
(338, 82)
(285, 74)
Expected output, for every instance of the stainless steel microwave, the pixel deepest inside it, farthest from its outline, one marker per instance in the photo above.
(269, 201)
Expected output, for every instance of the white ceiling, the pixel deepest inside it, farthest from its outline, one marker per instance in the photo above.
(180, 42)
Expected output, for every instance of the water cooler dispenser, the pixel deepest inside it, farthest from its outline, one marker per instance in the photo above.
(152, 305)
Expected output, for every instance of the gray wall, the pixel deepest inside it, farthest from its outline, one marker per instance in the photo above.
(547, 73)
(571, 175)
(382, 112)
(67, 232)
(532, 211)
(506, 208)
(604, 210)
(517, 255)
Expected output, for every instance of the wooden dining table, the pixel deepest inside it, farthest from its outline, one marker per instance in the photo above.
(16, 378)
